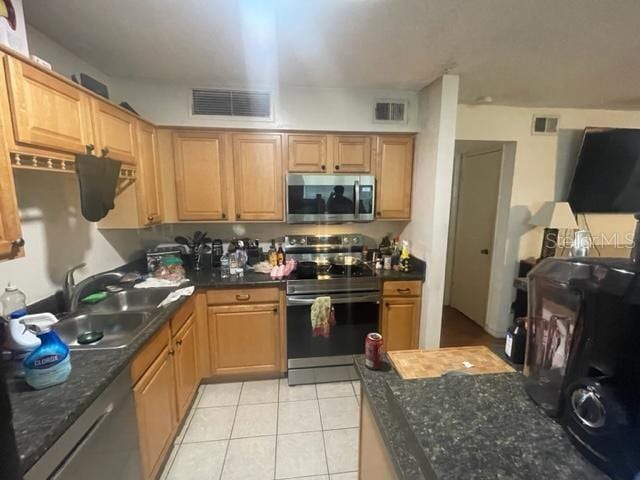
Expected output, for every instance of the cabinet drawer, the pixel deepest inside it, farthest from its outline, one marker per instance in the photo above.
(242, 295)
(149, 353)
(182, 315)
(402, 289)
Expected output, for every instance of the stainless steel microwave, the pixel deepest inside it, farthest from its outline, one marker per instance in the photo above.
(330, 198)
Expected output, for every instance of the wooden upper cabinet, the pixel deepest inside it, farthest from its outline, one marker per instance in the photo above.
(148, 181)
(11, 241)
(47, 112)
(352, 153)
(257, 166)
(200, 175)
(394, 171)
(307, 153)
(115, 130)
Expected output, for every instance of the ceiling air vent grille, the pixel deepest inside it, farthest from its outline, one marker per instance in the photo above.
(231, 103)
(390, 111)
(544, 125)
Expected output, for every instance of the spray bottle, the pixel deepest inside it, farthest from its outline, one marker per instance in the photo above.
(50, 363)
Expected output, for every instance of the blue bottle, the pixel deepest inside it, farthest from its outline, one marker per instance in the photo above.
(50, 363)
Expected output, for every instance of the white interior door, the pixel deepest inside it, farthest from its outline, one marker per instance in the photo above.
(475, 223)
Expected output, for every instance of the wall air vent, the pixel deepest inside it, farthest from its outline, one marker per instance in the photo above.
(390, 111)
(544, 125)
(231, 103)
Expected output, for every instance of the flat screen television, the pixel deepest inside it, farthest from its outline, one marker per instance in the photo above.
(607, 175)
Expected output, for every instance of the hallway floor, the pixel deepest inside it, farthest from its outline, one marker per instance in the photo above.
(458, 330)
(268, 430)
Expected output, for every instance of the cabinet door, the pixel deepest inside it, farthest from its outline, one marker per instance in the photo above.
(155, 410)
(11, 241)
(307, 153)
(148, 181)
(115, 130)
(257, 167)
(245, 338)
(400, 323)
(47, 112)
(199, 167)
(352, 154)
(394, 172)
(185, 365)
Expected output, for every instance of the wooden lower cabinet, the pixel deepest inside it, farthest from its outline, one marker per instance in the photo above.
(400, 316)
(375, 462)
(156, 412)
(245, 338)
(185, 362)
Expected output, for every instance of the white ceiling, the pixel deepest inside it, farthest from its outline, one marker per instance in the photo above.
(564, 53)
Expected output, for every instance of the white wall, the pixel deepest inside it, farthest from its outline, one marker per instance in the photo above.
(543, 168)
(433, 172)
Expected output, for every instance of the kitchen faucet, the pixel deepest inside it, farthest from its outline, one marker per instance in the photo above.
(72, 293)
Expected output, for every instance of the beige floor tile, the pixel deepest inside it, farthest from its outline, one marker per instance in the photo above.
(220, 395)
(250, 459)
(299, 392)
(255, 420)
(338, 389)
(167, 465)
(342, 450)
(339, 413)
(263, 391)
(198, 461)
(300, 454)
(185, 426)
(356, 387)
(210, 424)
(298, 417)
(345, 476)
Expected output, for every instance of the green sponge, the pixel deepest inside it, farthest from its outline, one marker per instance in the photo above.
(94, 297)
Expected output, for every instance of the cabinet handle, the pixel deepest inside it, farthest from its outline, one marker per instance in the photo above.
(171, 352)
(323, 167)
(243, 298)
(179, 342)
(105, 151)
(337, 167)
(275, 310)
(18, 242)
(379, 213)
(224, 215)
(404, 290)
(90, 147)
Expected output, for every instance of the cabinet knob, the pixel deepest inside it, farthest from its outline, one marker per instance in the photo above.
(237, 216)
(378, 213)
(171, 352)
(105, 151)
(18, 242)
(224, 215)
(275, 310)
(337, 167)
(323, 167)
(386, 304)
(90, 147)
(179, 342)
(150, 218)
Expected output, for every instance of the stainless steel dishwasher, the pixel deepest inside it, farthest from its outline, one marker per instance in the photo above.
(102, 444)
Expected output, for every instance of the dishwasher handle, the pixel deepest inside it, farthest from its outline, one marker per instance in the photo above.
(83, 441)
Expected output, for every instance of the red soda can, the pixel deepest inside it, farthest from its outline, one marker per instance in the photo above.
(373, 351)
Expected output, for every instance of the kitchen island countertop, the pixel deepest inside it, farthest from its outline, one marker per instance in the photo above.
(470, 426)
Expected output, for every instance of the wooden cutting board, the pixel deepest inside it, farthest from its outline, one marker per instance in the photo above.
(433, 363)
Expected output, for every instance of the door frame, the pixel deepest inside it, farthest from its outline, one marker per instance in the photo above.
(500, 244)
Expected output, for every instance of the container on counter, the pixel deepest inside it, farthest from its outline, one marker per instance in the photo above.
(225, 271)
(516, 341)
(13, 302)
(373, 351)
(386, 260)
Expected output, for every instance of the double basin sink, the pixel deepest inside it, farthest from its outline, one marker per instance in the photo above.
(113, 323)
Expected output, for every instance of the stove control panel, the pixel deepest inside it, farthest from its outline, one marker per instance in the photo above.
(323, 242)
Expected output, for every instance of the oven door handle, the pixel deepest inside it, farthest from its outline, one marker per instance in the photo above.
(335, 299)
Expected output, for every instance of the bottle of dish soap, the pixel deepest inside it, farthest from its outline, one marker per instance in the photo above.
(50, 363)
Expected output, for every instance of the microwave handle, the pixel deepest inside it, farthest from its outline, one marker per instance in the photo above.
(356, 209)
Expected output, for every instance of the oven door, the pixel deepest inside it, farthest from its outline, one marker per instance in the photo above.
(356, 315)
(330, 198)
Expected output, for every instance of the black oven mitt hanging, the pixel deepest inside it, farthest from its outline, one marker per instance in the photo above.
(98, 178)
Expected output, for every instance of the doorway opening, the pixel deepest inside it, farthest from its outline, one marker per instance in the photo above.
(480, 197)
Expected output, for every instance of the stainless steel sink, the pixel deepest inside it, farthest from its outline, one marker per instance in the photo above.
(119, 329)
(134, 300)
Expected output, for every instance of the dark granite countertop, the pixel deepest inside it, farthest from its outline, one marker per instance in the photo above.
(475, 427)
(40, 417)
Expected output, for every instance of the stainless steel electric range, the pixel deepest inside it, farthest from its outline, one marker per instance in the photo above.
(329, 265)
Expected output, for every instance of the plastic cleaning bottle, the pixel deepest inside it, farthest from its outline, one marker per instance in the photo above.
(14, 302)
(50, 363)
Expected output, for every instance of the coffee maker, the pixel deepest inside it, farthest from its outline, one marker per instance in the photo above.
(582, 363)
